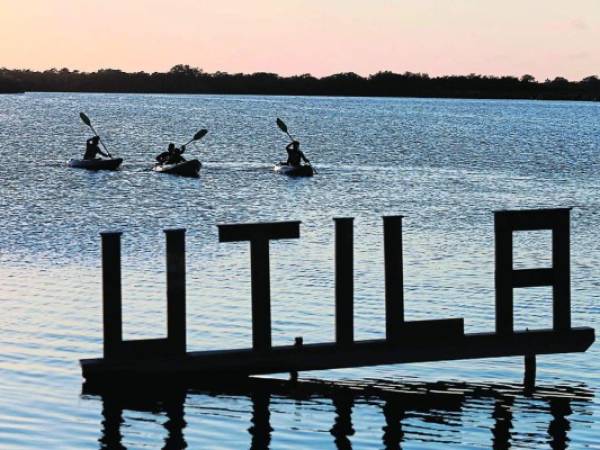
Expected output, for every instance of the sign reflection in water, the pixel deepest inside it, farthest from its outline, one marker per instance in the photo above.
(408, 409)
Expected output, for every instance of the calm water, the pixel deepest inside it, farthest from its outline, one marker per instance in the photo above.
(444, 164)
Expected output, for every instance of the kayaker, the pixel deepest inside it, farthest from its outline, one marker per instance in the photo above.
(295, 155)
(176, 157)
(92, 149)
(164, 157)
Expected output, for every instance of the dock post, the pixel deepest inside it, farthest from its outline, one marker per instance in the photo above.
(111, 294)
(394, 277)
(344, 281)
(298, 343)
(530, 368)
(176, 324)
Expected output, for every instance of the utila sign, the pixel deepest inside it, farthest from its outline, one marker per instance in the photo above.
(405, 341)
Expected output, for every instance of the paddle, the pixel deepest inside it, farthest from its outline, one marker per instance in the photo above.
(199, 135)
(85, 119)
(283, 127)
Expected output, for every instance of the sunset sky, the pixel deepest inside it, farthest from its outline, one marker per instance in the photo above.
(544, 38)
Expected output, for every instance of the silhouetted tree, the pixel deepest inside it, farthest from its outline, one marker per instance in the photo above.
(527, 78)
(183, 78)
(9, 84)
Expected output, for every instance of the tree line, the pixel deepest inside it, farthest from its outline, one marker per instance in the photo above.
(191, 80)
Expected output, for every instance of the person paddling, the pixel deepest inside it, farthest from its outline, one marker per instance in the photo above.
(295, 155)
(164, 156)
(172, 155)
(176, 157)
(92, 148)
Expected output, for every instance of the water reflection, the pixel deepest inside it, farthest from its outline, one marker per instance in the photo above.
(503, 425)
(112, 412)
(401, 404)
(261, 426)
(171, 403)
(342, 428)
(560, 408)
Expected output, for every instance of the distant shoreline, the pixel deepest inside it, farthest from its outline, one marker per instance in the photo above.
(183, 79)
(432, 97)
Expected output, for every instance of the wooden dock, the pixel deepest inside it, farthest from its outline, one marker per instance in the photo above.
(167, 359)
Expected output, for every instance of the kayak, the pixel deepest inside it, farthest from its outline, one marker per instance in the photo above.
(95, 164)
(189, 168)
(304, 170)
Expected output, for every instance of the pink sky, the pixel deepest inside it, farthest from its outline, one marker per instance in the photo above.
(544, 38)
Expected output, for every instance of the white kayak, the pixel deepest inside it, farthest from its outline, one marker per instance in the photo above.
(95, 164)
(304, 170)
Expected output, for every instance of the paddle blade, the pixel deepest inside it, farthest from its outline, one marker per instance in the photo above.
(85, 119)
(200, 134)
(282, 126)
